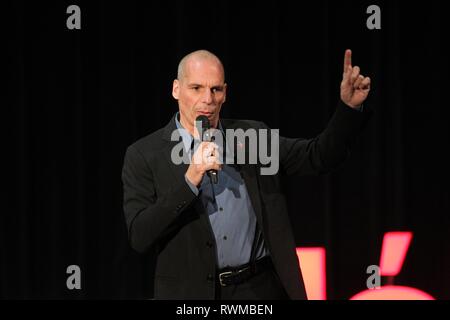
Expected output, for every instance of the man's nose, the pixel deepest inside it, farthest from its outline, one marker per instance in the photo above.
(208, 97)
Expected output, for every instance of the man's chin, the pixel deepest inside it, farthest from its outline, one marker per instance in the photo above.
(212, 117)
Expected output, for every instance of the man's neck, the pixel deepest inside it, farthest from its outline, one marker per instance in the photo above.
(191, 128)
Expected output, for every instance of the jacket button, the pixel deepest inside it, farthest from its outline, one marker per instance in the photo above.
(209, 244)
(210, 277)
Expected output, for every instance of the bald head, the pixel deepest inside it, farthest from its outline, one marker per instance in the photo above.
(200, 88)
(195, 58)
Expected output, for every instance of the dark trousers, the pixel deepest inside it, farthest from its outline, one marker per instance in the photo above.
(263, 286)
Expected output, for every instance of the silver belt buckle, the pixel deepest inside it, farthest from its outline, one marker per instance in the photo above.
(224, 274)
(230, 273)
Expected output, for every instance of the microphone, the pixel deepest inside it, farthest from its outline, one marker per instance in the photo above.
(206, 136)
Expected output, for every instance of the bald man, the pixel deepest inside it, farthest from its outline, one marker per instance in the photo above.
(231, 239)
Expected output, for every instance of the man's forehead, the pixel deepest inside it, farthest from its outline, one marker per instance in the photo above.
(209, 66)
(196, 78)
(203, 62)
(206, 83)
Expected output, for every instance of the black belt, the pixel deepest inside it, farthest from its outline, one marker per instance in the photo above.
(236, 275)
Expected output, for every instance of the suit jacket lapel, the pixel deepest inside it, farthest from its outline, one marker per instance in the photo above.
(180, 170)
(251, 182)
(248, 173)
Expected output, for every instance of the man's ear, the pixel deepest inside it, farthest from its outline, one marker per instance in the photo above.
(176, 89)
(224, 92)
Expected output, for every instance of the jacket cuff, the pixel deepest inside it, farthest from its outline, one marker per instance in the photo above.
(193, 188)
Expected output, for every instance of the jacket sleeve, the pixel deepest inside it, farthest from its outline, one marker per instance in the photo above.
(329, 149)
(149, 216)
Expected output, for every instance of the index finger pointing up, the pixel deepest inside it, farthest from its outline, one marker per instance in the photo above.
(347, 60)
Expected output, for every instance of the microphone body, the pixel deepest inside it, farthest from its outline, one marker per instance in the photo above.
(206, 136)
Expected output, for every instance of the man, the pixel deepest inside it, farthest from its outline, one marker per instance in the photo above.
(231, 239)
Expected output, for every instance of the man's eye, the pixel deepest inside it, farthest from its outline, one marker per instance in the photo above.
(214, 90)
(195, 88)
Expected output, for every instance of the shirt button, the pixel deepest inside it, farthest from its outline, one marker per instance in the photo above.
(224, 237)
(220, 209)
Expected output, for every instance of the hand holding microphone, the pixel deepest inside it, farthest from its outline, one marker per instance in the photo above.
(206, 157)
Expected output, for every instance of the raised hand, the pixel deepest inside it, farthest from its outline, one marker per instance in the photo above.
(354, 86)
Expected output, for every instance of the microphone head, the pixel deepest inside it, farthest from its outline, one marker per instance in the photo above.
(203, 125)
(204, 121)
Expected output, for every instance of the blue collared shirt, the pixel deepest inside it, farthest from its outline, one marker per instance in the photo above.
(230, 212)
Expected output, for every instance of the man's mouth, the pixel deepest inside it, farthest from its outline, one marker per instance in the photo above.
(205, 113)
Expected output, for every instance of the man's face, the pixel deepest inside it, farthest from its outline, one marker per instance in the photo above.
(201, 91)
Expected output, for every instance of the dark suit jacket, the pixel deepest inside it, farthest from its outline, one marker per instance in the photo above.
(165, 217)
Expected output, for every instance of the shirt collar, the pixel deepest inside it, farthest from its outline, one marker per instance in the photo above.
(185, 135)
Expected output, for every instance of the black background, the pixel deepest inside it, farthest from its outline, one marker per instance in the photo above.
(75, 99)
